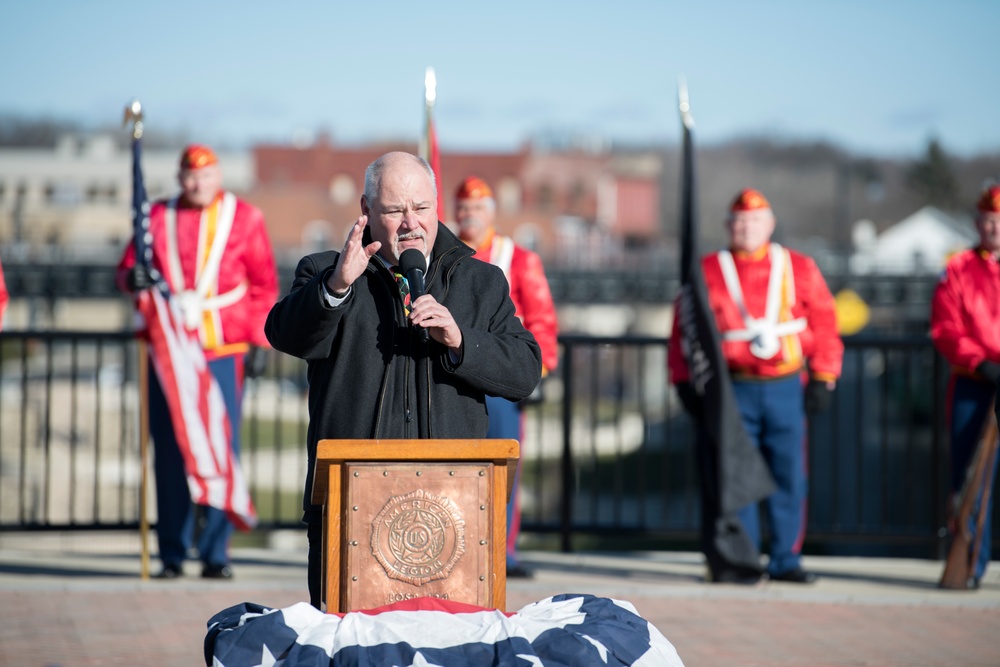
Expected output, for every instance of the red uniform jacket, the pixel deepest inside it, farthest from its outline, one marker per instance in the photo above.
(247, 263)
(4, 296)
(529, 290)
(965, 311)
(809, 299)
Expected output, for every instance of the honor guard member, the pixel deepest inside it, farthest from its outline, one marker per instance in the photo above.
(965, 329)
(4, 296)
(475, 213)
(778, 326)
(215, 254)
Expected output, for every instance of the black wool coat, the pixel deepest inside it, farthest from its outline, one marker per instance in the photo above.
(371, 377)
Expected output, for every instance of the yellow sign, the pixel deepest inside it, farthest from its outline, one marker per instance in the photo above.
(852, 312)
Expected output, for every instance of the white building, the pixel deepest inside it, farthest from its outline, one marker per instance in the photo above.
(920, 243)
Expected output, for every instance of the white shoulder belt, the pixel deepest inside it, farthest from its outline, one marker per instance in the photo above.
(765, 333)
(502, 253)
(194, 302)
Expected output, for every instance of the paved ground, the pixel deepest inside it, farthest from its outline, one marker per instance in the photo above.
(78, 600)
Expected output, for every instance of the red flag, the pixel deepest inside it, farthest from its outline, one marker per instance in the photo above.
(4, 296)
(435, 161)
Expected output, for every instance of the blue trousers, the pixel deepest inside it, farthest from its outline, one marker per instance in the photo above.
(175, 512)
(772, 413)
(505, 422)
(970, 403)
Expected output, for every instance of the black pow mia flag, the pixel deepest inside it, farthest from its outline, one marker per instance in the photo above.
(733, 472)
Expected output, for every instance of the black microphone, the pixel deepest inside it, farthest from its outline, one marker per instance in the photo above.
(412, 265)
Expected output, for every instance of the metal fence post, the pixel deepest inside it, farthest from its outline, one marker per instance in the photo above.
(566, 510)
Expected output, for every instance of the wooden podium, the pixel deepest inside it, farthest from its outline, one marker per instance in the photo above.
(414, 518)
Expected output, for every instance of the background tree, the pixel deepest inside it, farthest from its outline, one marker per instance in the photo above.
(933, 178)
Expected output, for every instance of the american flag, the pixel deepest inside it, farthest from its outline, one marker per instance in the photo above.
(197, 408)
(568, 630)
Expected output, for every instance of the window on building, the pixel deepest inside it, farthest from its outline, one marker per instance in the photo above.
(101, 193)
(509, 196)
(61, 193)
(317, 235)
(545, 197)
(343, 190)
(577, 193)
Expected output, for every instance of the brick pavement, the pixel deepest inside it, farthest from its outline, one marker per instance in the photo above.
(68, 608)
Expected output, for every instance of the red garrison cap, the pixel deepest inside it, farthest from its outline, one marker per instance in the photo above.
(197, 156)
(474, 188)
(749, 200)
(989, 201)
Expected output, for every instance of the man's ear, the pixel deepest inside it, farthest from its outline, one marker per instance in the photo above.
(365, 210)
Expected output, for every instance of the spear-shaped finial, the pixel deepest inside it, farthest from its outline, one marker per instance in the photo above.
(133, 114)
(430, 86)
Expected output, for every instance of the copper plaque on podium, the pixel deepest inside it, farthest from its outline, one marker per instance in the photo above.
(417, 531)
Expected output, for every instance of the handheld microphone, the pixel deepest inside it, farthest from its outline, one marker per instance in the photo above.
(413, 265)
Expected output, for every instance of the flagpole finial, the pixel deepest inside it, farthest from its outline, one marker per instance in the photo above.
(684, 103)
(133, 114)
(430, 86)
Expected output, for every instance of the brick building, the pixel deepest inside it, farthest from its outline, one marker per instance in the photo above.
(566, 205)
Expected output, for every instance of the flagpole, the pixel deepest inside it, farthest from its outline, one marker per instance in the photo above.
(133, 114)
(143, 459)
(430, 95)
(689, 241)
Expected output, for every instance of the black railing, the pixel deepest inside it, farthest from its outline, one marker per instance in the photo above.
(50, 278)
(607, 452)
(68, 430)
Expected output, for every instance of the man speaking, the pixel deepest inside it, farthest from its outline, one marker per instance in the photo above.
(350, 315)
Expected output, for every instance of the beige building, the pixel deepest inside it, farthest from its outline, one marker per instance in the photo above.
(71, 205)
(78, 195)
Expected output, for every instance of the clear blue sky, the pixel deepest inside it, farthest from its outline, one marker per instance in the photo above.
(877, 77)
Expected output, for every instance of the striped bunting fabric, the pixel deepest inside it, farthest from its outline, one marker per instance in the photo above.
(562, 631)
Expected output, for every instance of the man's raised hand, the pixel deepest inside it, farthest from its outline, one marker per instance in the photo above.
(353, 259)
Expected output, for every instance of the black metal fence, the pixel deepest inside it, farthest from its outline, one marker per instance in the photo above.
(51, 277)
(607, 453)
